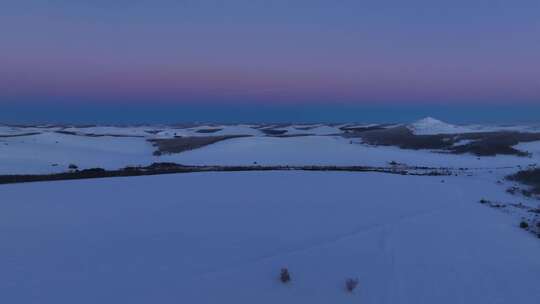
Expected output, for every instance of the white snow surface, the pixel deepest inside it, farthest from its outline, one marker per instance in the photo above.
(531, 147)
(112, 147)
(53, 152)
(330, 150)
(431, 125)
(223, 237)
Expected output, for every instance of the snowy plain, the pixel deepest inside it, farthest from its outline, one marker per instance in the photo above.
(223, 237)
(167, 239)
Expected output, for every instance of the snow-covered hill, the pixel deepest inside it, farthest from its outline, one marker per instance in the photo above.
(223, 237)
(39, 150)
(431, 125)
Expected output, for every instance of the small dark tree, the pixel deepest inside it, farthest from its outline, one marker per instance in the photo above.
(351, 284)
(523, 225)
(73, 167)
(285, 276)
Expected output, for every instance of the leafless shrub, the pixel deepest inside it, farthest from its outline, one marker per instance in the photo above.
(351, 284)
(285, 276)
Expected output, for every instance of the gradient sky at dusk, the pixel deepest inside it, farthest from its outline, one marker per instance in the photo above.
(58, 55)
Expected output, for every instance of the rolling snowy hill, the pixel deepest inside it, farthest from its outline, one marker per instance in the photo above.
(223, 237)
(431, 125)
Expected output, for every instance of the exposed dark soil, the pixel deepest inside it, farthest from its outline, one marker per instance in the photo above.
(482, 144)
(181, 144)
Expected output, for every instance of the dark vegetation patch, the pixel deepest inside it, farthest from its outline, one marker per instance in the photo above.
(153, 132)
(530, 220)
(292, 135)
(66, 132)
(19, 135)
(306, 128)
(529, 177)
(481, 143)
(361, 129)
(351, 284)
(284, 275)
(96, 135)
(209, 130)
(273, 132)
(515, 190)
(271, 126)
(401, 137)
(493, 143)
(181, 144)
(492, 204)
(170, 168)
(185, 125)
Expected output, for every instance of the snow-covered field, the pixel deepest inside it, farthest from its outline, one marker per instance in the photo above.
(223, 237)
(40, 150)
(331, 150)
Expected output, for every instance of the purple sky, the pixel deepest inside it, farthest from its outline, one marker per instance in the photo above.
(270, 52)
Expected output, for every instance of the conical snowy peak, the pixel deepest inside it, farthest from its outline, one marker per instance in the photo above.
(429, 121)
(430, 125)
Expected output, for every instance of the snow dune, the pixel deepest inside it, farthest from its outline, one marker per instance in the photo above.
(222, 238)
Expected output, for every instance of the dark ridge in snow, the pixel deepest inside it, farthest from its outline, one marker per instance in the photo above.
(529, 177)
(480, 144)
(181, 144)
(171, 168)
